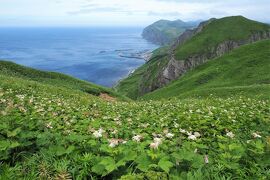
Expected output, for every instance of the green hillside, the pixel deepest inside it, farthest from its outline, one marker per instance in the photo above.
(219, 30)
(51, 78)
(52, 131)
(245, 70)
(212, 123)
(164, 32)
(130, 86)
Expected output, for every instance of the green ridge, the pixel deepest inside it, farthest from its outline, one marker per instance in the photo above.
(244, 70)
(219, 30)
(53, 78)
(165, 32)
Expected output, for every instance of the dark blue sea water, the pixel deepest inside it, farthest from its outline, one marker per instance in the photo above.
(90, 54)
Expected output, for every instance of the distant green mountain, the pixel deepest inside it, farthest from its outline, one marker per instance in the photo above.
(164, 32)
(243, 71)
(211, 39)
(20, 74)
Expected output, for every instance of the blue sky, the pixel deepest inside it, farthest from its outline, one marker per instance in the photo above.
(123, 12)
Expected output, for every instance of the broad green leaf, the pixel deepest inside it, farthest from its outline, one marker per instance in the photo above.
(130, 155)
(109, 164)
(14, 132)
(143, 162)
(165, 164)
(4, 145)
(58, 150)
(70, 149)
(98, 169)
(14, 144)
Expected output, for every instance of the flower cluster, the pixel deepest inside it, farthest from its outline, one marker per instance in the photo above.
(156, 143)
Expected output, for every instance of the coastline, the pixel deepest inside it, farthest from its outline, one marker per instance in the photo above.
(145, 55)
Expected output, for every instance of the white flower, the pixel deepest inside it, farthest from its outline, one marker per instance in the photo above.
(230, 134)
(196, 134)
(154, 145)
(115, 131)
(49, 125)
(113, 143)
(169, 135)
(137, 138)
(21, 97)
(98, 134)
(206, 160)
(192, 137)
(255, 135)
(165, 131)
(101, 130)
(145, 125)
(176, 125)
(158, 140)
(183, 131)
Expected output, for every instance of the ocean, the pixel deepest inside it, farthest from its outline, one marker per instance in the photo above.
(99, 55)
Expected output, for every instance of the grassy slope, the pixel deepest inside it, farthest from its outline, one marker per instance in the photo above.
(218, 31)
(229, 28)
(130, 85)
(47, 132)
(245, 69)
(48, 128)
(52, 78)
(170, 29)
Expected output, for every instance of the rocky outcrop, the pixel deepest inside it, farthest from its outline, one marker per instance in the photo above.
(164, 32)
(155, 36)
(188, 34)
(176, 68)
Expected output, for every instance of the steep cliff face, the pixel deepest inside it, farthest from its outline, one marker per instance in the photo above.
(210, 40)
(175, 68)
(243, 70)
(156, 36)
(165, 32)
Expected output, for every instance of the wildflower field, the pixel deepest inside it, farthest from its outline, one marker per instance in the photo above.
(49, 132)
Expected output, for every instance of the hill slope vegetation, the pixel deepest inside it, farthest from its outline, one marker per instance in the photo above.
(244, 70)
(212, 39)
(212, 123)
(49, 131)
(164, 32)
(11, 69)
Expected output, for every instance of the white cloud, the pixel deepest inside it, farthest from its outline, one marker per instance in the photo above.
(124, 12)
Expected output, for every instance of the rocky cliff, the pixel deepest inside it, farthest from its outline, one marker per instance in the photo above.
(210, 40)
(175, 68)
(165, 32)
